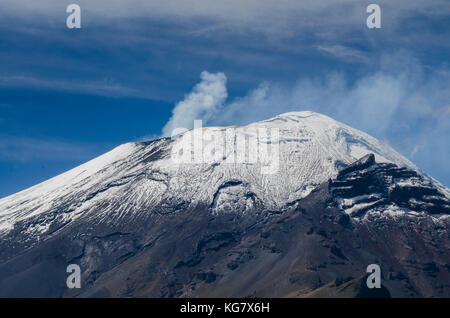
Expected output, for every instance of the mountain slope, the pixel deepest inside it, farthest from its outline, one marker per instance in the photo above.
(140, 223)
(312, 149)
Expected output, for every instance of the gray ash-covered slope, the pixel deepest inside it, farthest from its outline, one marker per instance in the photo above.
(139, 225)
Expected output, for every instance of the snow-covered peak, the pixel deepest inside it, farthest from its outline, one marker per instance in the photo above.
(133, 178)
(330, 132)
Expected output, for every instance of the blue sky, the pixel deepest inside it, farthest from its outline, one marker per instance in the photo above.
(67, 96)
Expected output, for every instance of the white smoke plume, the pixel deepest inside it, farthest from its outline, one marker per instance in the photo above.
(203, 102)
(396, 103)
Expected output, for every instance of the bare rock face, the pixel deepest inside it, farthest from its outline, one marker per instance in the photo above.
(137, 226)
(368, 186)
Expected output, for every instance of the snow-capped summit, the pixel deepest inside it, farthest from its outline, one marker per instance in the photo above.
(298, 204)
(309, 149)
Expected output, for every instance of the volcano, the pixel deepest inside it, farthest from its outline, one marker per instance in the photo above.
(140, 223)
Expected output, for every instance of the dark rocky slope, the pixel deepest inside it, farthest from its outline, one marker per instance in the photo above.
(319, 246)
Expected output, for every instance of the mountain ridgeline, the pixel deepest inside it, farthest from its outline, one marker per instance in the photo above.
(141, 225)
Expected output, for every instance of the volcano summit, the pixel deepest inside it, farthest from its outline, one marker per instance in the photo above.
(139, 223)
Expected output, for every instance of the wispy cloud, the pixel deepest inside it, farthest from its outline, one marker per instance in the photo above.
(268, 15)
(344, 53)
(105, 87)
(167, 42)
(26, 149)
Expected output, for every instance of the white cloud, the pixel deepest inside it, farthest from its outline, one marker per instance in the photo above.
(371, 102)
(268, 16)
(202, 103)
(344, 53)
